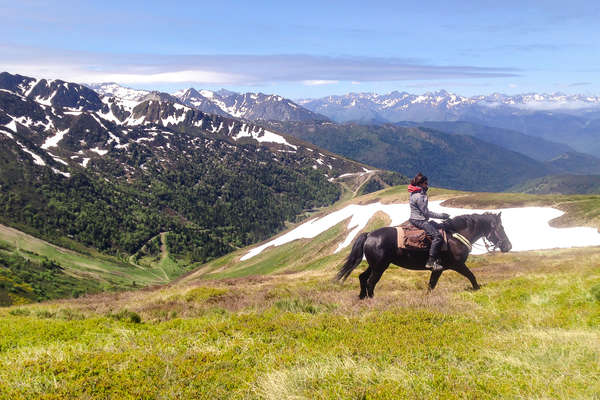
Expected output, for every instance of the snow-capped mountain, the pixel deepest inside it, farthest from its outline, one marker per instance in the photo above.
(113, 173)
(66, 125)
(440, 105)
(111, 89)
(249, 106)
(569, 119)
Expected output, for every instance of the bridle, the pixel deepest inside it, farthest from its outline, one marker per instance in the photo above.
(491, 241)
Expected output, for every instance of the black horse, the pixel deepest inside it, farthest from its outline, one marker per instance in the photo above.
(380, 247)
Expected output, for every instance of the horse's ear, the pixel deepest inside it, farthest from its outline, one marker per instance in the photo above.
(499, 214)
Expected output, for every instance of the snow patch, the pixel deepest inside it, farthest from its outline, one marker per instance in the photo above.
(527, 228)
(99, 151)
(53, 140)
(36, 159)
(12, 125)
(267, 136)
(56, 171)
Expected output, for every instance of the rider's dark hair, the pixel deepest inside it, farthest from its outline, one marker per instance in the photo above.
(418, 180)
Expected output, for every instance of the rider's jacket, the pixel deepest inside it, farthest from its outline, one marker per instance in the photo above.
(418, 205)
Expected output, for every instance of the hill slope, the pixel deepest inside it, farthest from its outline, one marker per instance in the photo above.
(453, 161)
(114, 174)
(530, 331)
(561, 184)
(531, 146)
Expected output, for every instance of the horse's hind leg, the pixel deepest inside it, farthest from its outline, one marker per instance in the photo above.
(466, 272)
(374, 278)
(363, 282)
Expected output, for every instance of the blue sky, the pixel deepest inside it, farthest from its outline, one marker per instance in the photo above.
(309, 48)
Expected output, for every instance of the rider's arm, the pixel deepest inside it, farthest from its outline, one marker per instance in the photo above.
(425, 210)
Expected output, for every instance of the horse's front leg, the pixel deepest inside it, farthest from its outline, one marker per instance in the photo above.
(465, 271)
(433, 279)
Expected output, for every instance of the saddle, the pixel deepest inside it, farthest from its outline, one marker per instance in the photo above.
(413, 238)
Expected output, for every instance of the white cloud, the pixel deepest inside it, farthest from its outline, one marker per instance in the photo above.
(319, 82)
(81, 74)
(236, 69)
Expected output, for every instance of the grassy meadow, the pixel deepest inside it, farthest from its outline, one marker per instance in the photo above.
(532, 331)
(79, 272)
(277, 326)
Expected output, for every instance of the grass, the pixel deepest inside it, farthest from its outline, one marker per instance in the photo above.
(532, 331)
(106, 272)
(277, 327)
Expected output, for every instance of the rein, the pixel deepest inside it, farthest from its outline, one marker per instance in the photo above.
(487, 244)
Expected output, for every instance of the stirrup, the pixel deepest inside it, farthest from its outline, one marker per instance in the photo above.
(434, 265)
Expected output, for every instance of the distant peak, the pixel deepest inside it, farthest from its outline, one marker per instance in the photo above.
(225, 93)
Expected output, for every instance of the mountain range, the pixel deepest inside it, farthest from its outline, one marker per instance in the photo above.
(248, 106)
(573, 120)
(112, 173)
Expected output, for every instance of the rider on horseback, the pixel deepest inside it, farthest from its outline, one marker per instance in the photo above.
(419, 217)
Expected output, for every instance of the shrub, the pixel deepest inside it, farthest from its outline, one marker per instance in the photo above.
(127, 316)
(296, 305)
(596, 292)
(19, 311)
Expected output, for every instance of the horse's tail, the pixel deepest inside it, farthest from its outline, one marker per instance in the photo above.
(355, 257)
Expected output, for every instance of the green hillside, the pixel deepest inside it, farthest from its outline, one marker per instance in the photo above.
(534, 147)
(454, 161)
(532, 331)
(560, 184)
(32, 269)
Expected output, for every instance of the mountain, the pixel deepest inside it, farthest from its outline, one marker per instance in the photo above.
(451, 161)
(569, 119)
(112, 89)
(204, 103)
(112, 174)
(575, 163)
(441, 105)
(249, 106)
(531, 146)
(560, 184)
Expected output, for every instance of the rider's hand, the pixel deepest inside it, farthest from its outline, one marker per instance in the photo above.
(445, 216)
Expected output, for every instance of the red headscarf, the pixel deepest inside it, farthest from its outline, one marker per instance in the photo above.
(412, 188)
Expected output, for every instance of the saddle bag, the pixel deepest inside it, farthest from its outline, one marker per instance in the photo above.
(411, 237)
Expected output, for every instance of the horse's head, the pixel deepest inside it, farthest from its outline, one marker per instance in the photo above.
(497, 235)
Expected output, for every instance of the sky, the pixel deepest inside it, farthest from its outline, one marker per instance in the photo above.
(309, 49)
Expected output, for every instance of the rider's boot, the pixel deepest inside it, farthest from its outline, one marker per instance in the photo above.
(433, 264)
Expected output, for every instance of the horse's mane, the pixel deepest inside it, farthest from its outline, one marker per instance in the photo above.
(462, 221)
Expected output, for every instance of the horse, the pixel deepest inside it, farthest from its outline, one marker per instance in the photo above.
(380, 247)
